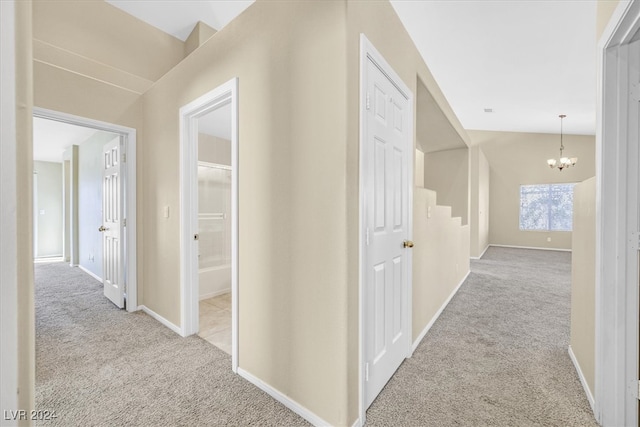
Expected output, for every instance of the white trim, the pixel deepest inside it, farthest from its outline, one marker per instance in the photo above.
(369, 52)
(583, 380)
(35, 214)
(530, 247)
(52, 258)
(482, 254)
(8, 219)
(90, 273)
(129, 134)
(356, 423)
(159, 318)
(616, 299)
(214, 165)
(435, 317)
(189, 288)
(214, 294)
(284, 399)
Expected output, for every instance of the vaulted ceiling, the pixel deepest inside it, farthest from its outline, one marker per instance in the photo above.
(525, 60)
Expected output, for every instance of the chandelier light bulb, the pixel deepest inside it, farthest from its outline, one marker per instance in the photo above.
(564, 162)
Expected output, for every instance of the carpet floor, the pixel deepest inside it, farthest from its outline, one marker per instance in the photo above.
(97, 365)
(497, 356)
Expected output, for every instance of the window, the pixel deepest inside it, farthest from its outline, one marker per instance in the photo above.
(546, 207)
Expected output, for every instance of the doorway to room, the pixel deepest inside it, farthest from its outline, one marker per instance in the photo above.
(209, 218)
(84, 200)
(214, 227)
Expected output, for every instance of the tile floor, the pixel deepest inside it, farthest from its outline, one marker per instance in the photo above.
(215, 321)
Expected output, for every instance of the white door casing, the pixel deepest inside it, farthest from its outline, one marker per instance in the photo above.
(112, 222)
(617, 222)
(386, 191)
(189, 271)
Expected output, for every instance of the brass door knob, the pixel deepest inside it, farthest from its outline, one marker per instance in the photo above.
(102, 228)
(407, 244)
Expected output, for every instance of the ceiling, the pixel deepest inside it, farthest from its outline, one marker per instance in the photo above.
(528, 61)
(178, 17)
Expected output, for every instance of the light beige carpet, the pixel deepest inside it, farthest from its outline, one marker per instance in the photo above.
(97, 365)
(497, 356)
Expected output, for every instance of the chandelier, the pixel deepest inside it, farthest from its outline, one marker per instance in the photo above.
(564, 162)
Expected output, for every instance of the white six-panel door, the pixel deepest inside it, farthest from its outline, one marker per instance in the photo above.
(112, 223)
(386, 156)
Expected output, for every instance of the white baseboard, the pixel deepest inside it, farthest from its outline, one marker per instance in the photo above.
(531, 247)
(583, 380)
(284, 399)
(356, 423)
(95, 276)
(482, 254)
(214, 294)
(438, 313)
(161, 319)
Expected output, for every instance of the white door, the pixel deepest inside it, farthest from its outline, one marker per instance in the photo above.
(386, 266)
(112, 224)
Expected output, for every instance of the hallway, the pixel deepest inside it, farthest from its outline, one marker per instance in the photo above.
(498, 353)
(100, 366)
(496, 356)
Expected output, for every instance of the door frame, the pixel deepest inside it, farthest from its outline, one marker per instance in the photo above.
(129, 260)
(189, 288)
(369, 52)
(617, 228)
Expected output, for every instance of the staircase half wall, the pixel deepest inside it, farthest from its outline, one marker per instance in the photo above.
(440, 259)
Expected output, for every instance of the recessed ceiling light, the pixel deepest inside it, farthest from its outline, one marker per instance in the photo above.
(488, 110)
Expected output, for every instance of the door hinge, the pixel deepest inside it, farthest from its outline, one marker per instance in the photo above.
(638, 395)
(124, 222)
(368, 102)
(634, 240)
(635, 92)
(124, 157)
(366, 236)
(366, 371)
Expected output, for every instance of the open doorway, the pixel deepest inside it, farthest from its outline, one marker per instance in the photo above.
(214, 226)
(209, 218)
(84, 198)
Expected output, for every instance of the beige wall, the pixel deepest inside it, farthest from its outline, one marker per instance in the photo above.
(418, 172)
(200, 34)
(48, 211)
(479, 201)
(292, 243)
(447, 173)
(520, 158)
(583, 289)
(98, 32)
(440, 256)
(604, 11)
